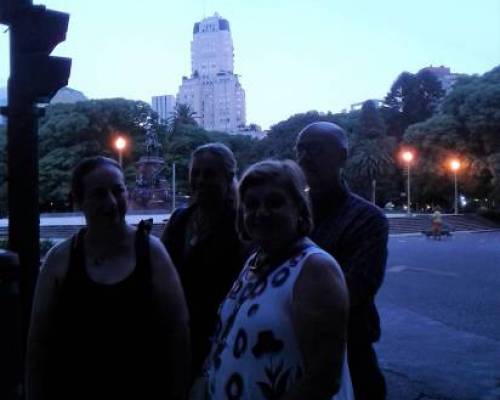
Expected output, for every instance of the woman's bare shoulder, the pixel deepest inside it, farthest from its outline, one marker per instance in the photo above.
(321, 282)
(57, 259)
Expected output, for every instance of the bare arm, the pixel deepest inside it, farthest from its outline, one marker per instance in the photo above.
(320, 313)
(171, 303)
(37, 354)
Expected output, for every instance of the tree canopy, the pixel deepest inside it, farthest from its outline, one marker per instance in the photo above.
(70, 132)
(466, 128)
(371, 156)
(412, 98)
(280, 141)
(464, 124)
(183, 115)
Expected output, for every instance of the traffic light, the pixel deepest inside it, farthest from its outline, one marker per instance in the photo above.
(35, 77)
(9, 8)
(35, 32)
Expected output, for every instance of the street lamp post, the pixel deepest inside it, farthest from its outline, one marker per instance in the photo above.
(120, 144)
(407, 157)
(455, 166)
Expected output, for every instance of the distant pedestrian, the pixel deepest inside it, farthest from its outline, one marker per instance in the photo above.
(109, 319)
(204, 244)
(355, 232)
(437, 224)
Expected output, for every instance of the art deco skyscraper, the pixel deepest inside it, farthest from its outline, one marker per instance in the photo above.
(213, 91)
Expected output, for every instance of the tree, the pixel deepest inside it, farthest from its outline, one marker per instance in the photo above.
(70, 132)
(372, 152)
(468, 127)
(370, 124)
(412, 98)
(436, 141)
(370, 162)
(183, 115)
(280, 141)
(55, 177)
(247, 150)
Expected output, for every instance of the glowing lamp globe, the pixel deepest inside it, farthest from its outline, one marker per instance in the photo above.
(120, 143)
(407, 156)
(455, 165)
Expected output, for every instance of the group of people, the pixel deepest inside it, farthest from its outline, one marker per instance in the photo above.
(260, 289)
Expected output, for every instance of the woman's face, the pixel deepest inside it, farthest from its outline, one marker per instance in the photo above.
(105, 196)
(270, 215)
(209, 180)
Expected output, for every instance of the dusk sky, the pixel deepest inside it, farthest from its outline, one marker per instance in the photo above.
(292, 55)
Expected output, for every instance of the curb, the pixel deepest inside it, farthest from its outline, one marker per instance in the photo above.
(454, 232)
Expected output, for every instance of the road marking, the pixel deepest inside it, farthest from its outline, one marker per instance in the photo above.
(403, 268)
(397, 268)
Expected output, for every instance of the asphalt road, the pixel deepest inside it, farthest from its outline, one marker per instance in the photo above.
(440, 311)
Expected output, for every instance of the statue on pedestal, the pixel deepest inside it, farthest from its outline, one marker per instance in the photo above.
(152, 144)
(150, 191)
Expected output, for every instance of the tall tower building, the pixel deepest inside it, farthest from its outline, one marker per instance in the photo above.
(213, 91)
(212, 47)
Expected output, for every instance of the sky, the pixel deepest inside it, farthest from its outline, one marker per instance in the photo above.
(292, 55)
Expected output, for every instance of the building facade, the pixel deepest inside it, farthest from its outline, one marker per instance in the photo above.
(164, 106)
(213, 90)
(444, 76)
(358, 106)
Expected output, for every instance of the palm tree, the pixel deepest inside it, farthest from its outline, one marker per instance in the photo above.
(372, 159)
(183, 115)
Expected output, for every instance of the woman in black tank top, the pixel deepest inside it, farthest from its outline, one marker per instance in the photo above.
(105, 335)
(109, 318)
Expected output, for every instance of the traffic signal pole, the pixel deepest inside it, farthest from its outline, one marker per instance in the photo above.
(22, 171)
(35, 77)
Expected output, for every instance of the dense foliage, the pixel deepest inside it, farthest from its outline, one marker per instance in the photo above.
(467, 128)
(464, 124)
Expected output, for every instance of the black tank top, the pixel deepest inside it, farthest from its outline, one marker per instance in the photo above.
(105, 335)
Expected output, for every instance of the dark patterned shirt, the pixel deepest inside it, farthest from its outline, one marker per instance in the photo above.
(355, 232)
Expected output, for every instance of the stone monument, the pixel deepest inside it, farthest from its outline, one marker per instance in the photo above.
(150, 191)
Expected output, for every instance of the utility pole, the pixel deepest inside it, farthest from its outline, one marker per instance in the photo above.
(408, 186)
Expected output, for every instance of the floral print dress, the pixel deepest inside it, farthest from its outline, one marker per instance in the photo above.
(255, 354)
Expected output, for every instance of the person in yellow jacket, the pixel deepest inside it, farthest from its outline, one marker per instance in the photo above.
(437, 224)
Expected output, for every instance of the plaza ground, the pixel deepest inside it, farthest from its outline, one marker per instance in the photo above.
(440, 311)
(439, 306)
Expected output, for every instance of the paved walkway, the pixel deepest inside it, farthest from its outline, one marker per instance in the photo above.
(439, 307)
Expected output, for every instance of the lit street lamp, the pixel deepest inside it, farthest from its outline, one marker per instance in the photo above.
(407, 157)
(455, 166)
(120, 144)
